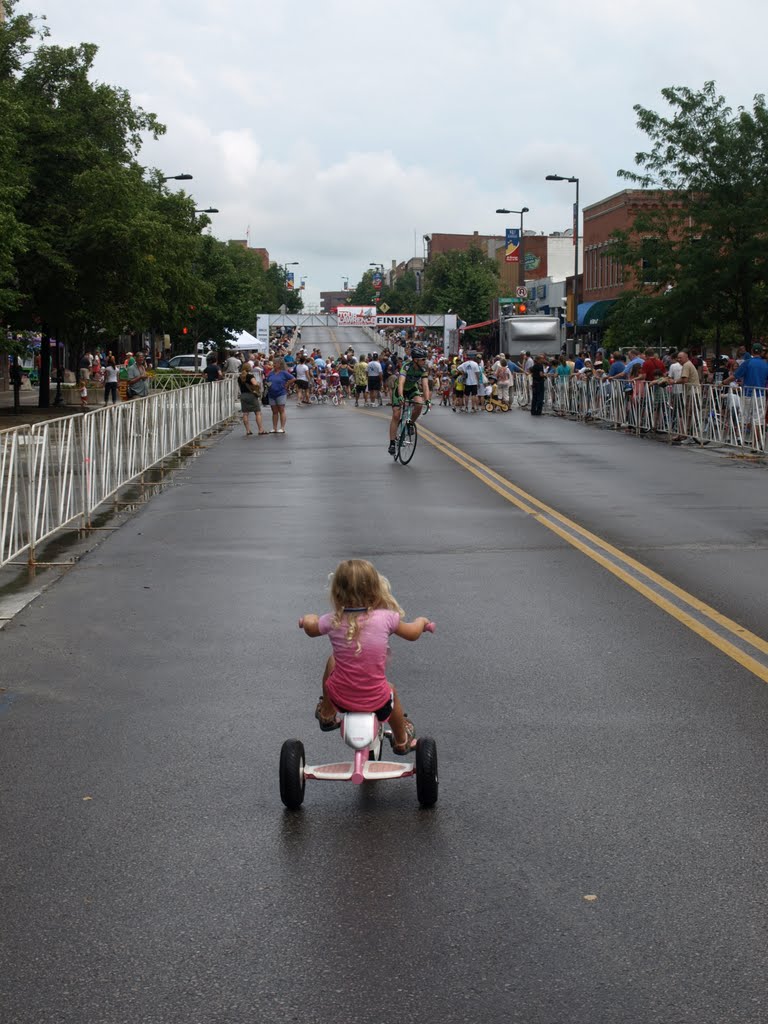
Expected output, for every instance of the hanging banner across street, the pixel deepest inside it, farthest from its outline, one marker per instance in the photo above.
(367, 316)
(356, 316)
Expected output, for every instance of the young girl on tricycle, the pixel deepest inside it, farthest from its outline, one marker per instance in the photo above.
(365, 614)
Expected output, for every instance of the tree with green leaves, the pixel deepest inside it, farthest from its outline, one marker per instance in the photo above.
(698, 256)
(80, 140)
(403, 296)
(364, 293)
(92, 245)
(234, 289)
(14, 46)
(278, 294)
(466, 282)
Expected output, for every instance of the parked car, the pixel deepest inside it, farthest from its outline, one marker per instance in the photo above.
(187, 364)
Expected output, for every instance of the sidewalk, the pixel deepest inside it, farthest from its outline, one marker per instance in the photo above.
(29, 411)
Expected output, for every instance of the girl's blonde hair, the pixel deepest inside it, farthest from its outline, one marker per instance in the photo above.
(356, 584)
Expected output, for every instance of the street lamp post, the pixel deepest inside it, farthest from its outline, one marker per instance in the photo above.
(521, 255)
(573, 181)
(198, 343)
(292, 263)
(379, 266)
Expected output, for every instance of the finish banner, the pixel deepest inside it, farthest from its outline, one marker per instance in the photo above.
(396, 320)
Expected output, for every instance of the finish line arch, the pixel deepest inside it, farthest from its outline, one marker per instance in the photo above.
(447, 322)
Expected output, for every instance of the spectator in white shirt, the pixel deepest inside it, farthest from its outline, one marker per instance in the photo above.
(471, 372)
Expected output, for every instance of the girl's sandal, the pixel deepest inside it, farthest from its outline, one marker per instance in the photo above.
(326, 724)
(402, 749)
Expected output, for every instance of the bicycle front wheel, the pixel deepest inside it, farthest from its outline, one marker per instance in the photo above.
(406, 442)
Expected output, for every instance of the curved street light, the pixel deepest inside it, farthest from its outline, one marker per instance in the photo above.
(176, 177)
(210, 209)
(574, 181)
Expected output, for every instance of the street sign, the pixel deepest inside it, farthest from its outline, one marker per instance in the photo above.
(384, 307)
(521, 292)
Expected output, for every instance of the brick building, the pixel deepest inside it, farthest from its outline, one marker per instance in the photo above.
(604, 277)
(330, 300)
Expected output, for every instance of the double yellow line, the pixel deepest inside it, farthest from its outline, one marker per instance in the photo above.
(744, 647)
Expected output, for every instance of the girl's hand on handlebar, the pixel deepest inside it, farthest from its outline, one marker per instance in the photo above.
(309, 623)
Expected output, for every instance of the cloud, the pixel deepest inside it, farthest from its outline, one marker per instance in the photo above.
(341, 133)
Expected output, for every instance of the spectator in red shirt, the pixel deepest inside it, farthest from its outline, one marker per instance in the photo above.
(652, 367)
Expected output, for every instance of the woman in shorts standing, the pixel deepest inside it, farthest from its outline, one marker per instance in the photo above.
(278, 383)
(302, 380)
(250, 397)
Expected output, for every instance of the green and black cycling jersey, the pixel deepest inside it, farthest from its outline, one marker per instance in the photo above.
(414, 375)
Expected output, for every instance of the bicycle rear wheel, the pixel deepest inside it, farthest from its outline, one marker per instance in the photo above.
(406, 442)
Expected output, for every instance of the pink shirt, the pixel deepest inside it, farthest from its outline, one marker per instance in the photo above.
(359, 680)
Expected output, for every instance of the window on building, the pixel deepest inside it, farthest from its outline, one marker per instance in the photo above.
(649, 261)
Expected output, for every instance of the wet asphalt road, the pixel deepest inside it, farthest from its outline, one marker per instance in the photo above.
(590, 746)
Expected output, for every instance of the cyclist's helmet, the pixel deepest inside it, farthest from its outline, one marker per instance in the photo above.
(417, 352)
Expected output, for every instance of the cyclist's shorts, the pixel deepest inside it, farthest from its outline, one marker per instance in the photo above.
(409, 394)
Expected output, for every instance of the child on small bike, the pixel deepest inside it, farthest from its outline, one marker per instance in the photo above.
(365, 614)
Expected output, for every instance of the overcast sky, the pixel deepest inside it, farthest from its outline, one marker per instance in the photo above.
(342, 132)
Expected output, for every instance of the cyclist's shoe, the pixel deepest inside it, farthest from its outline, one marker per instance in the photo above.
(392, 448)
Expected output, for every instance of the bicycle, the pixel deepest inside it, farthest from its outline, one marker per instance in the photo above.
(407, 435)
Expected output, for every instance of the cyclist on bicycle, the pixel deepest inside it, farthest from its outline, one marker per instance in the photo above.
(412, 386)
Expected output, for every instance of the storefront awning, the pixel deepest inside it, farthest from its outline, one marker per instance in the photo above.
(594, 314)
(485, 323)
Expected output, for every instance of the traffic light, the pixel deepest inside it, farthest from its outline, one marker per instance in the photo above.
(522, 308)
(184, 330)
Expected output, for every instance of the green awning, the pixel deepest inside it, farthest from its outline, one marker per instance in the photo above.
(595, 314)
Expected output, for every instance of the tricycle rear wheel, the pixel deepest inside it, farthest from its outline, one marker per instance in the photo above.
(426, 771)
(292, 781)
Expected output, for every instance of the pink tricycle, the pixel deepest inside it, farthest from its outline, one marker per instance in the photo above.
(365, 734)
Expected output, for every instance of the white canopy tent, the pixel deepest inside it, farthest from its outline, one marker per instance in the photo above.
(246, 342)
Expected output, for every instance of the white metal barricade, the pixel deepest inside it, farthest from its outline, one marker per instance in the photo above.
(704, 413)
(14, 537)
(58, 472)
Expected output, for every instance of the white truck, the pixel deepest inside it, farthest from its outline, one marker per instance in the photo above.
(539, 335)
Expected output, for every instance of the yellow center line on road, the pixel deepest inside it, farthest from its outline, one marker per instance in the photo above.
(335, 341)
(717, 629)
